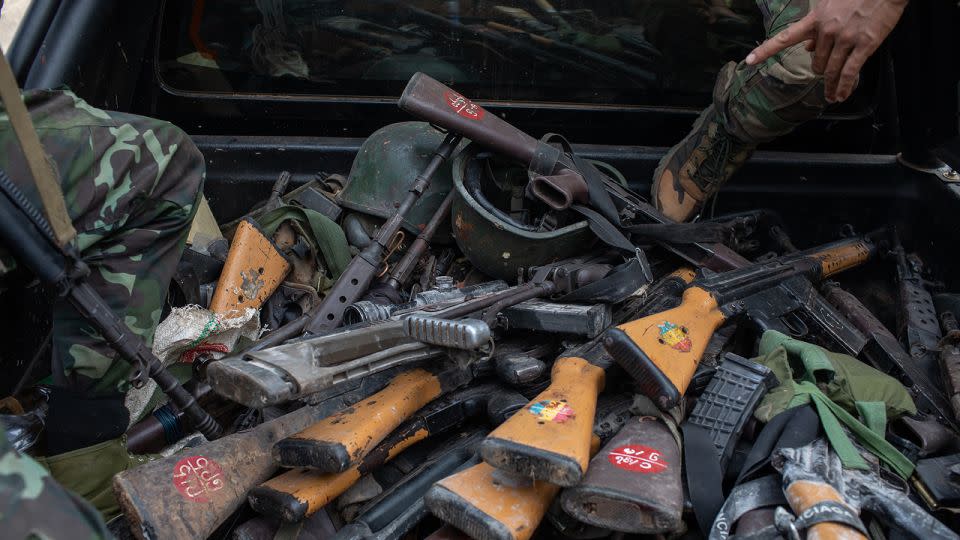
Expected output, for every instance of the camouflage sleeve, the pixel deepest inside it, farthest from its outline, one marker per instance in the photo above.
(131, 186)
(760, 103)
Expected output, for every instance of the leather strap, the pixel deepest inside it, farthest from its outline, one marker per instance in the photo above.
(41, 169)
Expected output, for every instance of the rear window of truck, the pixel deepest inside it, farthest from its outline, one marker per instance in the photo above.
(627, 52)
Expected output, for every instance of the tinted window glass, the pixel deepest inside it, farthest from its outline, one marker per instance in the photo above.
(625, 52)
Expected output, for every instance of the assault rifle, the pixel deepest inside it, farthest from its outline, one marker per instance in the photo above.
(295, 370)
(661, 352)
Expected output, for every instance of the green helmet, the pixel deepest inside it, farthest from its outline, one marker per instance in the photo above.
(387, 165)
(497, 228)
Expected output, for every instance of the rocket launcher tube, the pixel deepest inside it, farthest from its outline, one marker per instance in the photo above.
(661, 351)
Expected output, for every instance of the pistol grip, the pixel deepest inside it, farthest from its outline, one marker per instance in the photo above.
(549, 439)
(252, 272)
(487, 504)
(661, 351)
(336, 442)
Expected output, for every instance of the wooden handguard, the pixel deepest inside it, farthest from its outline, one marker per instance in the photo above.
(804, 494)
(549, 439)
(661, 351)
(339, 441)
(252, 272)
(489, 504)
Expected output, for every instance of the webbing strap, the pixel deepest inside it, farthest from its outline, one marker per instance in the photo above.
(41, 169)
(762, 492)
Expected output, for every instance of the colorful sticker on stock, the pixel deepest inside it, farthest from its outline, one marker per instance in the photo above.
(552, 411)
(675, 336)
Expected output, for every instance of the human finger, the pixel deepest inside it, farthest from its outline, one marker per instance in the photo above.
(850, 73)
(797, 32)
(821, 53)
(831, 74)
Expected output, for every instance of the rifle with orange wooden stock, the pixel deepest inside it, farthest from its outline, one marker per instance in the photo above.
(298, 493)
(491, 504)
(661, 351)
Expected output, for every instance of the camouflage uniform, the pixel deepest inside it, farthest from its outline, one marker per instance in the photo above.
(759, 103)
(131, 186)
(33, 505)
(751, 105)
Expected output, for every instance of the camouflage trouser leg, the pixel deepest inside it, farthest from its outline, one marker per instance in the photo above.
(131, 186)
(760, 103)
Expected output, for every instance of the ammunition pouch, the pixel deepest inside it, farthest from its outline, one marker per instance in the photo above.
(88, 472)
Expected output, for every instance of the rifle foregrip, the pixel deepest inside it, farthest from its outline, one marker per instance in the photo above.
(549, 439)
(652, 382)
(803, 495)
(335, 443)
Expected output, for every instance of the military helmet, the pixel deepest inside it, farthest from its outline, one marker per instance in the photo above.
(498, 228)
(387, 165)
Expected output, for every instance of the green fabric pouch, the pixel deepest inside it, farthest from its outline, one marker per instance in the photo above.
(838, 385)
(843, 379)
(89, 471)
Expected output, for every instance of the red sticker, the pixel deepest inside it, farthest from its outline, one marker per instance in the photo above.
(463, 106)
(196, 476)
(638, 458)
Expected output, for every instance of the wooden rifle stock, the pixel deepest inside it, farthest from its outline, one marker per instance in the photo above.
(189, 494)
(489, 504)
(339, 441)
(661, 351)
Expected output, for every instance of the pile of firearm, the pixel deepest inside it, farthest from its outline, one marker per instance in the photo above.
(598, 395)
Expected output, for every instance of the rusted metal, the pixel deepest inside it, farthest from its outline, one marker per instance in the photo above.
(356, 278)
(401, 271)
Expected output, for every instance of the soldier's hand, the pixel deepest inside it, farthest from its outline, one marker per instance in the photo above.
(842, 34)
